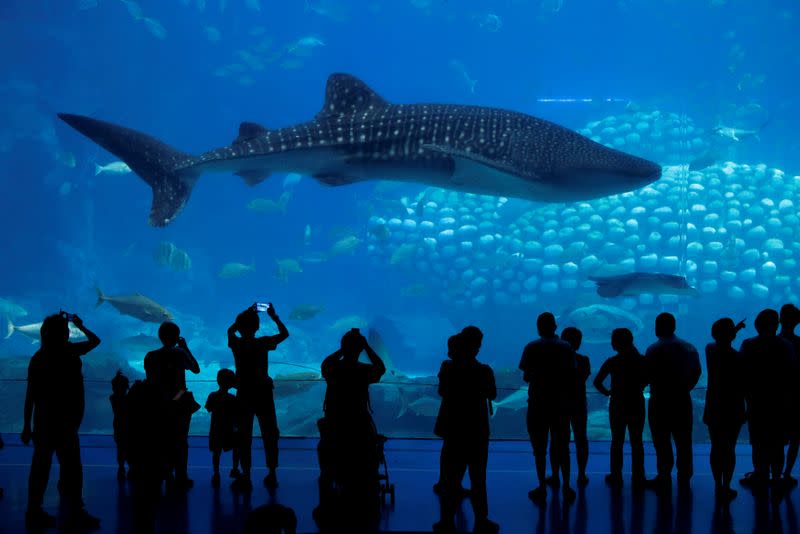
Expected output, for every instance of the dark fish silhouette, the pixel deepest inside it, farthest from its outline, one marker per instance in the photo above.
(638, 283)
(360, 136)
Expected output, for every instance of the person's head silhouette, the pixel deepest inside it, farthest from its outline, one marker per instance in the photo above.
(790, 316)
(546, 324)
(54, 331)
(120, 383)
(248, 323)
(573, 336)
(226, 379)
(665, 325)
(723, 331)
(169, 333)
(622, 340)
(455, 347)
(471, 341)
(352, 344)
(766, 322)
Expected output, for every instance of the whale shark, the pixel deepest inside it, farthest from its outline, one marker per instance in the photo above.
(358, 135)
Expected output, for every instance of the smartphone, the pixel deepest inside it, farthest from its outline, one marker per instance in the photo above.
(262, 307)
(68, 316)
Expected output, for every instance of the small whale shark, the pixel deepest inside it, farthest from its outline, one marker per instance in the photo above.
(360, 136)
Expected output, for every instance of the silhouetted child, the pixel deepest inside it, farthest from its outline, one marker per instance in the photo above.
(222, 435)
(119, 390)
(724, 411)
(626, 407)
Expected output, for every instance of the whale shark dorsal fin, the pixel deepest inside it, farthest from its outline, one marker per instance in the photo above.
(248, 131)
(346, 94)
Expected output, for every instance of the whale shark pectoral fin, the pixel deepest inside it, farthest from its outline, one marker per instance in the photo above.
(345, 94)
(473, 164)
(248, 131)
(253, 177)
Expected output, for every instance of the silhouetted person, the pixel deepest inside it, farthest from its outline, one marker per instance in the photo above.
(673, 367)
(255, 390)
(55, 402)
(767, 365)
(578, 416)
(790, 318)
(119, 388)
(348, 449)
(225, 417)
(724, 411)
(626, 406)
(149, 428)
(166, 368)
(438, 487)
(2, 445)
(548, 366)
(271, 519)
(466, 387)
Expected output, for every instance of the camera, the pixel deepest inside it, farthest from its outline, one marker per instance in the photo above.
(68, 316)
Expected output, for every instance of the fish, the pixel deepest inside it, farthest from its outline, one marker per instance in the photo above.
(115, 167)
(33, 331)
(638, 283)
(140, 343)
(334, 11)
(425, 406)
(137, 306)
(304, 312)
(170, 256)
(347, 322)
(704, 160)
(305, 45)
(134, 10)
(345, 245)
(359, 136)
(737, 134)
(267, 205)
(597, 321)
(11, 310)
(515, 401)
(155, 28)
(285, 267)
(235, 269)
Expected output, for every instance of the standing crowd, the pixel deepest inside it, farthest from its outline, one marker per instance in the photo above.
(752, 385)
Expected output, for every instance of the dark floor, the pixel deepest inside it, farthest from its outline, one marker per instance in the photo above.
(413, 469)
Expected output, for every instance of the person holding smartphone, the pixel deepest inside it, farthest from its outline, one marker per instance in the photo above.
(254, 389)
(165, 369)
(54, 406)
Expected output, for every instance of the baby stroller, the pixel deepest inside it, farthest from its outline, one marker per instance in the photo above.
(353, 472)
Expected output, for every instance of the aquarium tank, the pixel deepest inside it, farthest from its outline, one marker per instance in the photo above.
(276, 164)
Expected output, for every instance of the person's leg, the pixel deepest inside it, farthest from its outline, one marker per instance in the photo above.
(537, 432)
(682, 432)
(616, 418)
(718, 455)
(563, 460)
(215, 457)
(791, 457)
(41, 462)
(660, 432)
(182, 449)
(454, 464)
(268, 423)
(68, 451)
(729, 457)
(635, 423)
(579, 423)
(246, 440)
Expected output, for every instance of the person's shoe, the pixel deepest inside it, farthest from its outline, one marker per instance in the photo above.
(215, 481)
(444, 527)
(568, 494)
(749, 479)
(553, 481)
(242, 484)
(658, 483)
(583, 480)
(38, 519)
(613, 480)
(235, 473)
(83, 520)
(538, 495)
(271, 480)
(486, 526)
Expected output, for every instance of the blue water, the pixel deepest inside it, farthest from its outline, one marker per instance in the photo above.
(67, 231)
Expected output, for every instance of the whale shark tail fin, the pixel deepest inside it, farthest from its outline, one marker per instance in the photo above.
(170, 173)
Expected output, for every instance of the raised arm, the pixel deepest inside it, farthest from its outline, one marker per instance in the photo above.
(283, 332)
(232, 337)
(378, 367)
(189, 362)
(601, 378)
(92, 341)
(328, 362)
